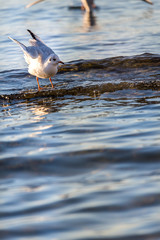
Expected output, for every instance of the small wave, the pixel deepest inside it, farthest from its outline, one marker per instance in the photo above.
(14, 73)
(112, 64)
(97, 77)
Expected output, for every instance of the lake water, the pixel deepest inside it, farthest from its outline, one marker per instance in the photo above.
(81, 161)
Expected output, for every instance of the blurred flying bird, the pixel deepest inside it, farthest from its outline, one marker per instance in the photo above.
(87, 5)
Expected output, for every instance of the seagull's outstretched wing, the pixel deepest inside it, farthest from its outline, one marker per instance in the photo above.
(31, 4)
(29, 52)
(37, 42)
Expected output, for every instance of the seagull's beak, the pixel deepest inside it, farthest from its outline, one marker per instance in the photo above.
(61, 62)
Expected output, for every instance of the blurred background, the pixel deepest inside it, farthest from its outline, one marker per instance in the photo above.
(117, 28)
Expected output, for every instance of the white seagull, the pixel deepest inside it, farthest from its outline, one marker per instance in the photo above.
(42, 61)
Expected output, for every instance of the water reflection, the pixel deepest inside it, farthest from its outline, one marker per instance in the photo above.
(148, 14)
(89, 21)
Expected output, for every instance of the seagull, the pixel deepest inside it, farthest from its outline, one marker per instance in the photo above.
(87, 5)
(42, 61)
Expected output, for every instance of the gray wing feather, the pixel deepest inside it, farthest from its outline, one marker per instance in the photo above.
(37, 42)
(38, 49)
(28, 51)
(40, 45)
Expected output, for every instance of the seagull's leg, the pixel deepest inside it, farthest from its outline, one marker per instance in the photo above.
(51, 82)
(39, 88)
(82, 7)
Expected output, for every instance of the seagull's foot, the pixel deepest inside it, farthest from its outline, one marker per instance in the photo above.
(43, 88)
(82, 7)
(51, 82)
(40, 88)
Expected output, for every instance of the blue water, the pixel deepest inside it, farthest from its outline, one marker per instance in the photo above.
(82, 166)
(120, 29)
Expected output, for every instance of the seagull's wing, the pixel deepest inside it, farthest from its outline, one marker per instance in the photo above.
(35, 37)
(39, 44)
(29, 52)
(31, 4)
(147, 1)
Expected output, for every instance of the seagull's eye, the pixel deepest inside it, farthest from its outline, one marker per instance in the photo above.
(54, 59)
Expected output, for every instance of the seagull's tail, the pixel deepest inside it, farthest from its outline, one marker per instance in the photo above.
(22, 46)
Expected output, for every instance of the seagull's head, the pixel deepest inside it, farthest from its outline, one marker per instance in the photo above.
(54, 60)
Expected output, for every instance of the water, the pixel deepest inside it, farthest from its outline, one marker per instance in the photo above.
(81, 161)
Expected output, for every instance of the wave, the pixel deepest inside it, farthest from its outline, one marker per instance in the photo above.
(65, 162)
(90, 77)
(114, 63)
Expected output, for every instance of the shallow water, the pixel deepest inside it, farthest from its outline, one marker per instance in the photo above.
(81, 161)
